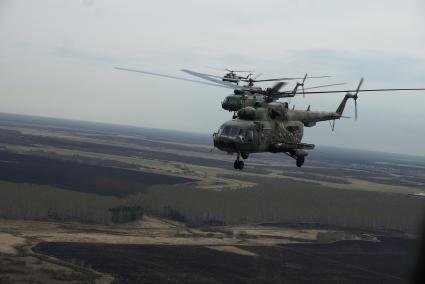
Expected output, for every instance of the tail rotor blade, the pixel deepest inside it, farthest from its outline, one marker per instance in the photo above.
(358, 87)
(355, 98)
(302, 84)
(355, 110)
(305, 77)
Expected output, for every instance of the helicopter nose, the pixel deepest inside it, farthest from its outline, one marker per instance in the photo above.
(230, 144)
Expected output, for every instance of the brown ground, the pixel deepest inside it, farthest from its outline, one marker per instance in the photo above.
(251, 243)
(23, 265)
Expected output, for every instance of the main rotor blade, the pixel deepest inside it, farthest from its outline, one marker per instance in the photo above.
(240, 71)
(229, 70)
(202, 75)
(213, 76)
(276, 88)
(173, 77)
(323, 86)
(218, 82)
(363, 90)
(290, 78)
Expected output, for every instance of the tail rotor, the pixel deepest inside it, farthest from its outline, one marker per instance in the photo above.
(355, 97)
(300, 85)
(348, 96)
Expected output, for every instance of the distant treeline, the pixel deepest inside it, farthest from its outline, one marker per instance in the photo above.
(285, 201)
(42, 202)
(272, 200)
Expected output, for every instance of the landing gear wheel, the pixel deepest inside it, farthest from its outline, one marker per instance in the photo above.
(238, 165)
(300, 161)
(244, 156)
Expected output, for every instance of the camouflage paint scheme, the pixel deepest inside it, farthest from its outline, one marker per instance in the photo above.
(270, 127)
(262, 124)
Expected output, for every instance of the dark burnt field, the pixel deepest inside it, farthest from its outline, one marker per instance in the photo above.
(341, 262)
(78, 176)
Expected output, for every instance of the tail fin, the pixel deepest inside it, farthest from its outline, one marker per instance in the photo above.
(341, 107)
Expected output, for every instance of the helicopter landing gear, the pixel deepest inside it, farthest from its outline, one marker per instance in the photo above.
(300, 161)
(298, 156)
(238, 164)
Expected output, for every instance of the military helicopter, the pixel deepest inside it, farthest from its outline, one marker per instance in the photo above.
(242, 96)
(232, 77)
(264, 125)
(251, 95)
(273, 127)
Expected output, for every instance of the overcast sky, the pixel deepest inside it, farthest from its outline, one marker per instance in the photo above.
(57, 59)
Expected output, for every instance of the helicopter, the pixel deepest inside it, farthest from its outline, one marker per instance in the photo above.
(243, 96)
(232, 77)
(262, 124)
(251, 95)
(273, 127)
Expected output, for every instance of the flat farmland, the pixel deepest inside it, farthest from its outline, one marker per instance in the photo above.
(343, 262)
(86, 202)
(78, 176)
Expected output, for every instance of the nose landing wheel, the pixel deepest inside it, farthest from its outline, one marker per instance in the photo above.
(238, 164)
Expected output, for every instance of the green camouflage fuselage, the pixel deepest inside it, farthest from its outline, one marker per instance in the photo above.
(269, 127)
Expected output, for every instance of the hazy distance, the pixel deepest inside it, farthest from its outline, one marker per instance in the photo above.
(57, 59)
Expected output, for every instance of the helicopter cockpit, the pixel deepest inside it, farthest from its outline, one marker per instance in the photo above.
(230, 77)
(232, 103)
(243, 135)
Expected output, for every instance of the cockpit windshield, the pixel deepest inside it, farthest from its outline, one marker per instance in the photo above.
(245, 135)
(231, 99)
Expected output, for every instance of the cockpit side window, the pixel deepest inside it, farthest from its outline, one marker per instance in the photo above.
(225, 131)
(249, 135)
(233, 132)
(241, 134)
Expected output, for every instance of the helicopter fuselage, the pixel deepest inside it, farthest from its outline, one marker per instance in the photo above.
(240, 100)
(254, 131)
(270, 127)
